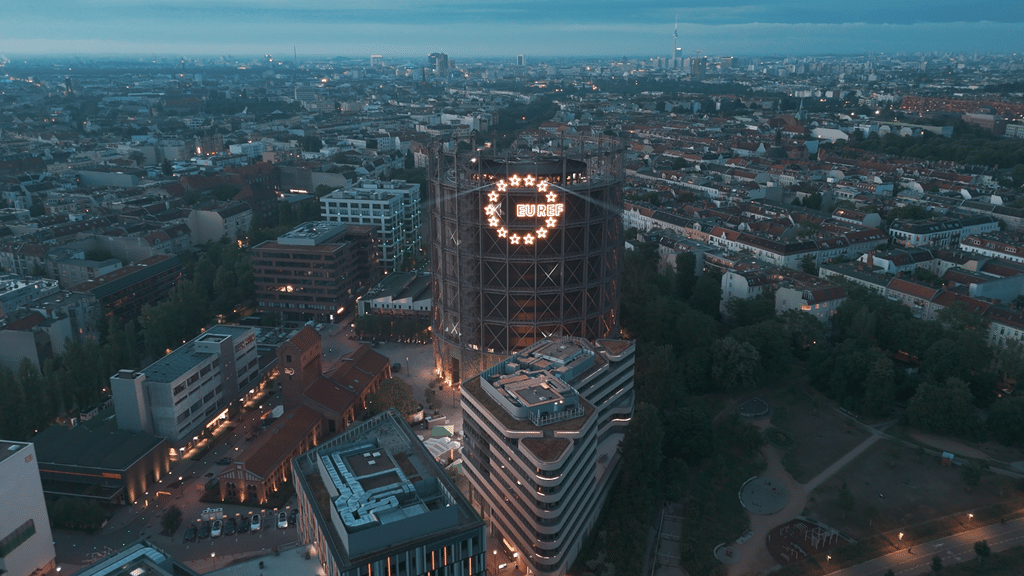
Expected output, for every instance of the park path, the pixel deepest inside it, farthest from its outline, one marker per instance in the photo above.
(754, 555)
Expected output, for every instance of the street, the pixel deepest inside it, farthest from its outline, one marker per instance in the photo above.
(143, 519)
(952, 549)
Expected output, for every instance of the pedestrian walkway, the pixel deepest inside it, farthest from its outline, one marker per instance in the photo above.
(754, 555)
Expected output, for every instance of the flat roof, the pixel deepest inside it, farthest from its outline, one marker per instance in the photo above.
(9, 448)
(186, 357)
(384, 486)
(105, 447)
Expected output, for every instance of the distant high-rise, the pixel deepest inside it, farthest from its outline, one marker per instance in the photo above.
(520, 60)
(439, 63)
(698, 67)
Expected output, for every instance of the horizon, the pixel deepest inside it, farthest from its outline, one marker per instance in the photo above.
(468, 30)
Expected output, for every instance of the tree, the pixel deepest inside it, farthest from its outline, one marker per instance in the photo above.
(944, 408)
(167, 168)
(846, 500)
(686, 274)
(734, 365)
(707, 294)
(771, 340)
(1006, 420)
(880, 388)
(971, 475)
(393, 393)
(807, 264)
(137, 157)
(688, 435)
(171, 519)
(641, 447)
(747, 311)
(981, 548)
(936, 564)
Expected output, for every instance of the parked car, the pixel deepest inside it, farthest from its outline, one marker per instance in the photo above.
(254, 524)
(293, 516)
(217, 529)
(282, 519)
(190, 533)
(243, 526)
(224, 461)
(204, 530)
(229, 526)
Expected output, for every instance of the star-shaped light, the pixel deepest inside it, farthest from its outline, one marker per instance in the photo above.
(542, 186)
(552, 197)
(551, 222)
(529, 180)
(493, 196)
(542, 232)
(528, 239)
(502, 232)
(491, 209)
(514, 181)
(502, 186)
(514, 238)
(493, 221)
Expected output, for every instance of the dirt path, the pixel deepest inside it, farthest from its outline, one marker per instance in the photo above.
(754, 555)
(948, 445)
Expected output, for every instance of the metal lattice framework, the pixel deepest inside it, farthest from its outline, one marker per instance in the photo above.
(494, 297)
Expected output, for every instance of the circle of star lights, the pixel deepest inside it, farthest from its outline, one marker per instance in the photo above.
(549, 211)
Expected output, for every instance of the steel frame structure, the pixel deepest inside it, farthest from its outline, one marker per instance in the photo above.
(493, 298)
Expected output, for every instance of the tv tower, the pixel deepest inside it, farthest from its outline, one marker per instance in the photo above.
(677, 61)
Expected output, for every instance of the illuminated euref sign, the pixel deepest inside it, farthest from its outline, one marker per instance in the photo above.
(547, 212)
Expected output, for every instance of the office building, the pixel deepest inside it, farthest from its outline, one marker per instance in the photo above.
(374, 502)
(123, 293)
(315, 271)
(399, 295)
(522, 249)
(138, 558)
(187, 391)
(26, 543)
(541, 434)
(393, 208)
(97, 460)
(438, 63)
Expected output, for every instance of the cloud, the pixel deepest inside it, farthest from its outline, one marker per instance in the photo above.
(470, 28)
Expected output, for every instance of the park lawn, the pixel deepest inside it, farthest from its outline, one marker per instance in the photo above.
(822, 435)
(895, 488)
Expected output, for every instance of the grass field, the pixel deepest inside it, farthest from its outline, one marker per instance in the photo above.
(822, 435)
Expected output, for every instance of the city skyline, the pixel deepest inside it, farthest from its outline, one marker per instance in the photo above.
(464, 29)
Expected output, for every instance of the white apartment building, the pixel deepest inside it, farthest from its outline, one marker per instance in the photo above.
(190, 388)
(26, 543)
(541, 432)
(393, 207)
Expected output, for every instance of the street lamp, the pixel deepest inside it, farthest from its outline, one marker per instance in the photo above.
(213, 555)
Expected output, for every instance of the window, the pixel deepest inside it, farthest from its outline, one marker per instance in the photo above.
(17, 537)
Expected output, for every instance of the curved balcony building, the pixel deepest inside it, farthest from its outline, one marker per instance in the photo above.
(541, 433)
